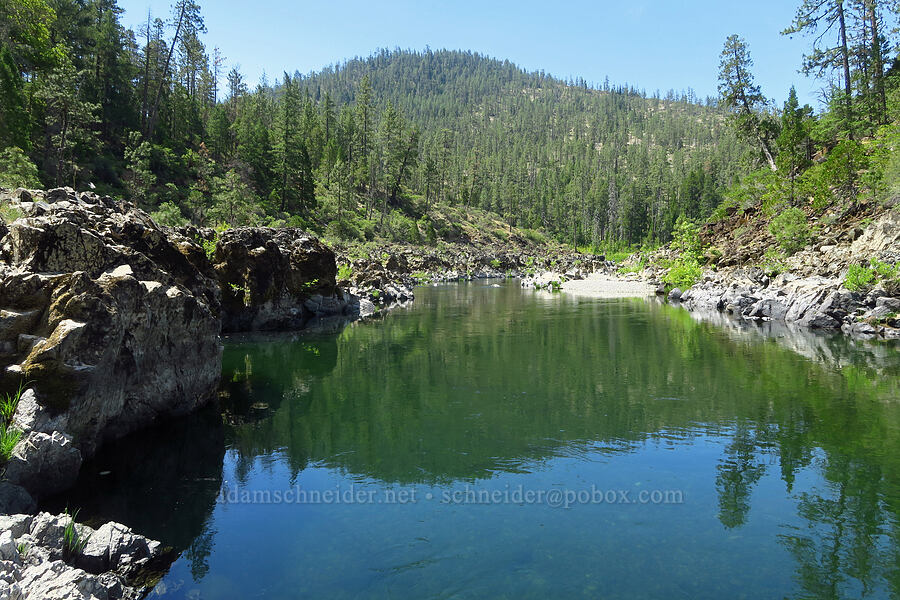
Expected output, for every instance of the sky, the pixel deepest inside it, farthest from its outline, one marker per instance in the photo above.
(649, 44)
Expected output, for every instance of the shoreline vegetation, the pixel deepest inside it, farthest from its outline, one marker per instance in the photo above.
(207, 209)
(69, 316)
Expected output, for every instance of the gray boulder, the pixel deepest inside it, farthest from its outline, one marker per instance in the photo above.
(44, 463)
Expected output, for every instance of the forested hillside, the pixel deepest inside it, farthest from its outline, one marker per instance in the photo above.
(364, 149)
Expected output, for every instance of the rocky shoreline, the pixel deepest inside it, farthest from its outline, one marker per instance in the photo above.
(809, 289)
(110, 323)
(50, 556)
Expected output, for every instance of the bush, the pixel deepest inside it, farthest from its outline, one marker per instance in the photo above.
(683, 274)
(773, 262)
(344, 272)
(169, 214)
(344, 229)
(842, 165)
(813, 186)
(16, 170)
(790, 230)
(859, 278)
(685, 270)
(751, 190)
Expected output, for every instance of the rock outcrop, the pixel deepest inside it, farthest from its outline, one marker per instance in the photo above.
(810, 302)
(274, 279)
(108, 323)
(38, 563)
(809, 289)
(114, 322)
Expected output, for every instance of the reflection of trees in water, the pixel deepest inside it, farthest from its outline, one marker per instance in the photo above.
(447, 393)
(738, 472)
(844, 551)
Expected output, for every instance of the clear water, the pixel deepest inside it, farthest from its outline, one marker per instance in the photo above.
(491, 442)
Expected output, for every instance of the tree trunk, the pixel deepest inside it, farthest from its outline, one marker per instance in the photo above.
(845, 58)
(878, 61)
(165, 72)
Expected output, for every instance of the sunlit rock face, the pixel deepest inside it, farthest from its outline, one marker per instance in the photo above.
(108, 323)
(112, 322)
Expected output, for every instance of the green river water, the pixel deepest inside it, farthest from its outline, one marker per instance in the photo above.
(494, 442)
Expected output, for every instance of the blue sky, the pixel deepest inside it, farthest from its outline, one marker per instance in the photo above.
(651, 44)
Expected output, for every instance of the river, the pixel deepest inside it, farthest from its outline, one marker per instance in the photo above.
(494, 442)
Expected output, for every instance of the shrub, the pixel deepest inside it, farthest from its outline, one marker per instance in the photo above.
(344, 272)
(751, 190)
(9, 213)
(859, 278)
(685, 269)
(16, 170)
(344, 229)
(790, 230)
(813, 186)
(169, 214)
(534, 236)
(773, 262)
(842, 165)
(683, 274)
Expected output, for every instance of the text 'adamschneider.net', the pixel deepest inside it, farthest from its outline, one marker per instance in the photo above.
(555, 498)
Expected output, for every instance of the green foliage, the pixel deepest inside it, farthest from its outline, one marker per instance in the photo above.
(8, 213)
(234, 202)
(344, 272)
(790, 230)
(842, 165)
(495, 263)
(16, 170)
(685, 269)
(750, 191)
(534, 236)
(743, 99)
(814, 186)
(792, 156)
(169, 214)
(683, 274)
(774, 262)
(9, 437)
(73, 541)
(9, 403)
(861, 277)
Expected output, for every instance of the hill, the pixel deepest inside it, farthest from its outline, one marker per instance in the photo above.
(362, 150)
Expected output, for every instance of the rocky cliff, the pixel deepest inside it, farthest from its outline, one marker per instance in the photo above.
(111, 322)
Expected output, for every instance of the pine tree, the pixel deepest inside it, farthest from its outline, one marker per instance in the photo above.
(792, 155)
(742, 98)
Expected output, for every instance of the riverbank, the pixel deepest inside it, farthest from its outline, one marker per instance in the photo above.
(845, 278)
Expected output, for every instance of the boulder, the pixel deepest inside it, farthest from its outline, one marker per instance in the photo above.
(33, 564)
(15, 499)
(266, 277)
(44, 463)
(109, 322)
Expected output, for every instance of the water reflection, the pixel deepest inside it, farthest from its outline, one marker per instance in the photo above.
(482, 385)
